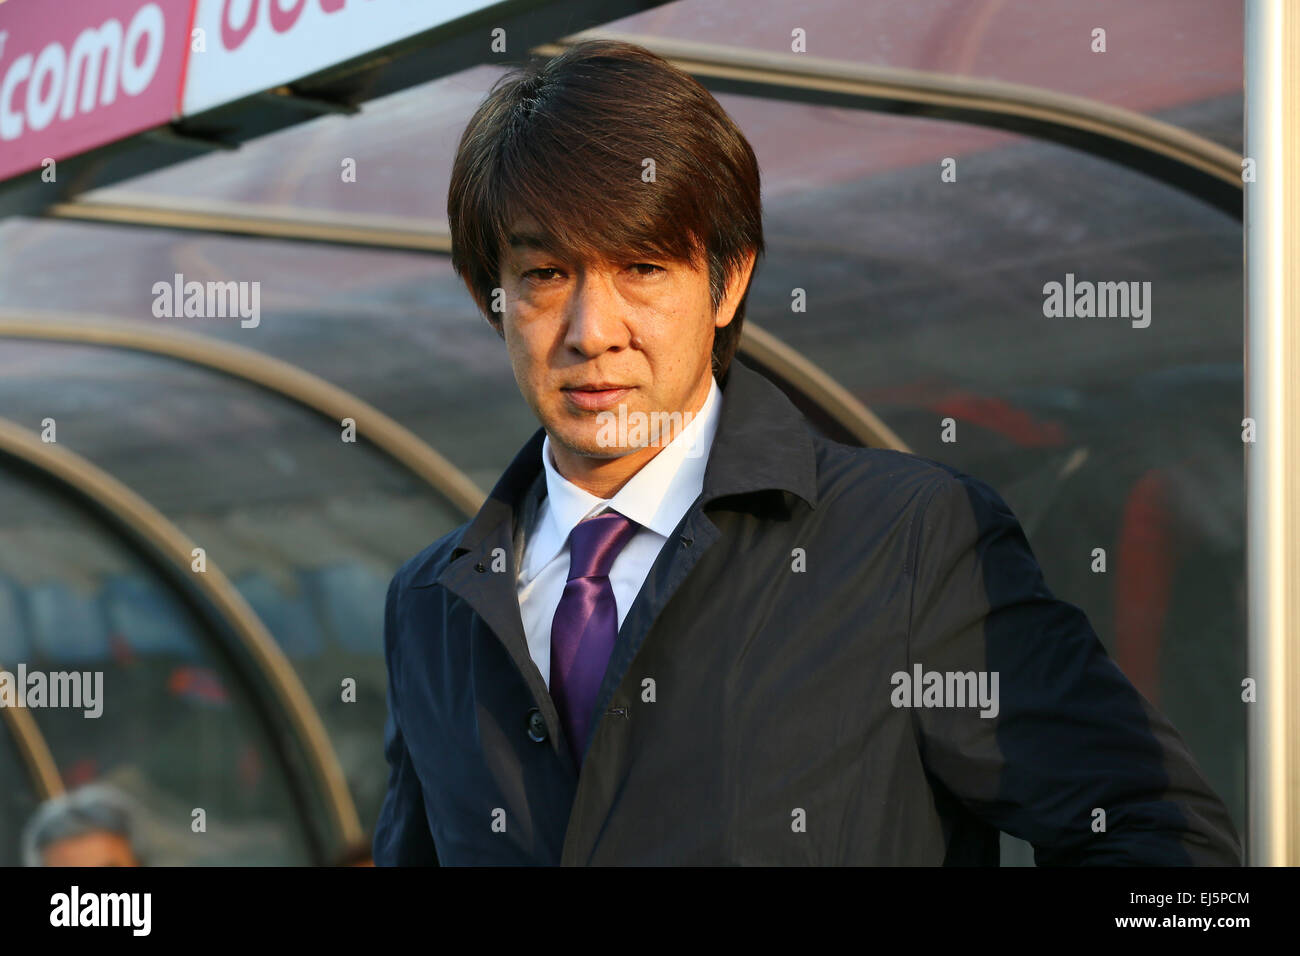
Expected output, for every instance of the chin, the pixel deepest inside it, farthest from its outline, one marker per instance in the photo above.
(589, 447)
(586, 442)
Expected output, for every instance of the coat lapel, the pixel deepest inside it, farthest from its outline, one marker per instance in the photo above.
(495, 539)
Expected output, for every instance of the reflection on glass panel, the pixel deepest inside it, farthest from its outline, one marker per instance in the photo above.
(176, 729)
(308, 527)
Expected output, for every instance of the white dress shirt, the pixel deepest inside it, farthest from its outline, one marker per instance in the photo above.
(656, 498)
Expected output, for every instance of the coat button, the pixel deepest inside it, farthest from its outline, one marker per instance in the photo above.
(536, 726)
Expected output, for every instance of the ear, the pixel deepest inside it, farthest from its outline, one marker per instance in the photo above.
(736, 286)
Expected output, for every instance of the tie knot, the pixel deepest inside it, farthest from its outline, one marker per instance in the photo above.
(596, 542)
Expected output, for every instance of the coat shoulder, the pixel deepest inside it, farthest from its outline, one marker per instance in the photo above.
(425, 567)
(906, 491)
(855, 476)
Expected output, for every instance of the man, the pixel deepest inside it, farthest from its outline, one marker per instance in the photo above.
(87, 827)
(640, 654)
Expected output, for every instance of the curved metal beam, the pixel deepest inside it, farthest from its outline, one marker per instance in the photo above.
(272, 374)
(1192, 163)
(150, 527)
(266, 221)
(34, 751)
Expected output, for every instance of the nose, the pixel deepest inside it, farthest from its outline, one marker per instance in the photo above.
(595, 315)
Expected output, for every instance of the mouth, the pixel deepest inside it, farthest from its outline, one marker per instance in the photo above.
(597, 395)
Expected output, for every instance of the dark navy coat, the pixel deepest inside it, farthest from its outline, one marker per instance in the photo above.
(753, 710)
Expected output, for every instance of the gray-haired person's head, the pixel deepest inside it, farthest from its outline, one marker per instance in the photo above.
(95, 809)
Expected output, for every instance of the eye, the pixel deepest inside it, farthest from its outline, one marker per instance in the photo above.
(540, 275)
(654, 270)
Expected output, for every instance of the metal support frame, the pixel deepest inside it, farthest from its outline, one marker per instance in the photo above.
(1272, 252)
(262, 220)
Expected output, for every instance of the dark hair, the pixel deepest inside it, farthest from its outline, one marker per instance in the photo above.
(562, 141)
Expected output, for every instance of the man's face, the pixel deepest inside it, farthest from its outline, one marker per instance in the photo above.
(98, 848)
(645, 326)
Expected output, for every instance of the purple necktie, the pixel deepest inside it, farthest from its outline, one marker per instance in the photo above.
(586, 623)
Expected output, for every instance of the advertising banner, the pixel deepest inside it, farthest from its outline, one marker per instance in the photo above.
(253, 45)
(81, 73)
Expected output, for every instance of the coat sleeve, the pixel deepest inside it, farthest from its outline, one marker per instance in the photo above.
(1066, 734)
(402, 835)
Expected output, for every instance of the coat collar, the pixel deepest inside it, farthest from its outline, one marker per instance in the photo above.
(762, 442)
